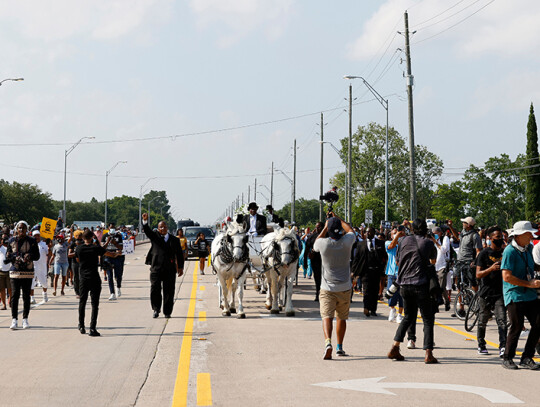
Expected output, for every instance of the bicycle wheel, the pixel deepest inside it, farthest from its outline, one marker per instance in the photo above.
(458, 299)
(472, 314)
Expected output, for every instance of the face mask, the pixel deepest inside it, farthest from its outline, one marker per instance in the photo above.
(518, 247)
(498, 242)
(436, 236)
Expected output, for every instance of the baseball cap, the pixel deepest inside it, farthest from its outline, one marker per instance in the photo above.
(470, 220)
(522, 227)
(335, 231)
(36, 232)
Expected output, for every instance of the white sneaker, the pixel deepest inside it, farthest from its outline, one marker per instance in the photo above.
(32, 300)
(13, 324)
(399, 318)
(25, 324)
(112, 297)
(411, 344)
(118, 292)
(45, 297)
(392, 315)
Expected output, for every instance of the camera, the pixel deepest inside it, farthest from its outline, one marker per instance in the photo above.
(401, 228)
(391, 291)
(331, 197)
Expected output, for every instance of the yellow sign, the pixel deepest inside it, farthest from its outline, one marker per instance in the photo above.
(47, 228)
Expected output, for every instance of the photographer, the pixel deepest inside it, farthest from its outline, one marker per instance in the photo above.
(415, 255)
(335, 294)
(22, 251)
(114, 264)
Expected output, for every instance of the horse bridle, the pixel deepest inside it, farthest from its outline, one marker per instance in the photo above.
(277, 253)
(226, 254)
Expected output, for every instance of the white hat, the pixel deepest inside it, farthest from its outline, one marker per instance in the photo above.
(36, 232)
(470, 220)
(522, 227)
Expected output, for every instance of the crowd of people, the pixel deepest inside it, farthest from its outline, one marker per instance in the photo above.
(70, 259)
(421, 267)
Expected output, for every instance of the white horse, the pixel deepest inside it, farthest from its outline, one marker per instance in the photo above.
(280, 254)
(230, 257)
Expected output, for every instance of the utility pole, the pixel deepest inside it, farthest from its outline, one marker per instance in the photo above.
(255, 191)
(349, 160)
(321, 175)
(272, 186)
(293, 202)
(412, 159)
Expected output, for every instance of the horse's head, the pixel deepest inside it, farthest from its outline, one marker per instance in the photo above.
(238, 242)
(287, 245)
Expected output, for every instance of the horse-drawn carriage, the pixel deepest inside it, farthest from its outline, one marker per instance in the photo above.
(271, 260)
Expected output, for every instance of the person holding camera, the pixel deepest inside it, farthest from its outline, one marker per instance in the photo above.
(415, 258)
(114, 264)
(490, 293)
(22, 251)
(520, 295)
(335, 243)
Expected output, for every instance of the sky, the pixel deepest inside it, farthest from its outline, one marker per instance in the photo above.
(218, 90)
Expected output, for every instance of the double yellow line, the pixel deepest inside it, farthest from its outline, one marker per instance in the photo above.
(181, 386)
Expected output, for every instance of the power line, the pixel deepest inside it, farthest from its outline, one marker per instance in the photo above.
(459, 22)
(451, 15)
(440, 14)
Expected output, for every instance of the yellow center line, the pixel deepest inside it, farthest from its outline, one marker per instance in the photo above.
(204, 389)
(202, 316)
(202, 288)
(182, 377)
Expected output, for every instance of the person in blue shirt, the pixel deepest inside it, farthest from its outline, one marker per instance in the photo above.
(391, 273)
(520, 295)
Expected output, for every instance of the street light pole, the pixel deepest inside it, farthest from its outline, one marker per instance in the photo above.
(66, 153)
(384, 104)
(106, 186)
(349, 159)
(11, 79)
(140, 202)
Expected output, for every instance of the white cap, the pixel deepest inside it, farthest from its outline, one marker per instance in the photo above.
(470, 220)
(36, 232)
(522, 227)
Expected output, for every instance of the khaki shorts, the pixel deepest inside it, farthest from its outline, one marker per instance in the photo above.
(335, 303)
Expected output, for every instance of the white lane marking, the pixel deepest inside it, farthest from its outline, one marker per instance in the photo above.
(374, 385)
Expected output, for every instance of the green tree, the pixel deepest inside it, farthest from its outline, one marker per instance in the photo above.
(368, 168)
(449, 202)
(25, 202)
(532, 180)
(306, 211)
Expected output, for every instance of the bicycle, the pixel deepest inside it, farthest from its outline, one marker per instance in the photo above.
(472, 313)
(464, 297)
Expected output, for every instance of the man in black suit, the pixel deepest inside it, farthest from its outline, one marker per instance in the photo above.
(254, 223)
(369, 263)
(272, 217)
(165, 259)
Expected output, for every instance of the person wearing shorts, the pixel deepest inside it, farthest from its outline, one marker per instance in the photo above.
(335, 244)
(60, 260)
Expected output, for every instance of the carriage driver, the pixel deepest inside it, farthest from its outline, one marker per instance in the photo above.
(255, 224)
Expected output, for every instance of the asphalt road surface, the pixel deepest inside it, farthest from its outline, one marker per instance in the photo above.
(200, 358)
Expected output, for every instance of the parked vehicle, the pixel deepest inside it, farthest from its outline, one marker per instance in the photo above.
(191, 232)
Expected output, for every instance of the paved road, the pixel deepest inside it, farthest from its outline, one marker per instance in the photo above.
(199, 357)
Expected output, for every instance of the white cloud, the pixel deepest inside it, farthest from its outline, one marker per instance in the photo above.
(54, 20)
(502, 28)
(241, 17)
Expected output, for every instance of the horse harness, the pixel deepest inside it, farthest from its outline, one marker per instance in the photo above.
(225, 252)
(276, 254)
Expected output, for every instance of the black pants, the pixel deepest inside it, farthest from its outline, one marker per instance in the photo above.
(76, 278)
(517, 311)
(167, 280)
(499, 310)
(316, 267)
(414, 297)
(92, 285)
(371, 284)
(18, 284)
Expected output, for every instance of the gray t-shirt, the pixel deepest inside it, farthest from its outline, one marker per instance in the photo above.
(336, 257)
(60, 253)
(468, 243)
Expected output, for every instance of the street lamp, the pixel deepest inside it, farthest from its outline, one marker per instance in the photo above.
(384, 104)
(292, 193)
(11, 79)
(347, 218)
(152, 200)
(66, 153)
(140, 202)
(106, 186)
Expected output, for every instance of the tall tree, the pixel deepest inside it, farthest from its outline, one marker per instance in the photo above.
(532, 194)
